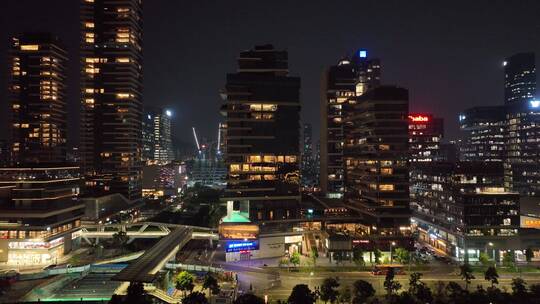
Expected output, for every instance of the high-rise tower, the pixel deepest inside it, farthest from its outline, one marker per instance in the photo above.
(519, 78)
(262, 108)
(111, 80)
(349, 78)
(38, 101)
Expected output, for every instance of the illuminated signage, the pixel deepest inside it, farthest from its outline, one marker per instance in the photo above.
(535, 103)
(238, 232)
(362, 53)
(241, 246)
(418, 118)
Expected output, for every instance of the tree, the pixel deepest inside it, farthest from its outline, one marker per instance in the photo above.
(301, 294)
(345, 295)
(508, 259)
(378, 254)
(519, 288)
(529, 254)
(329, 290)
(358, 256)
(248, 298)
(484, 259)
(136, 294)
(362, 290)
(116, 299)
(195, 298)
(466, 274)
(390, 285)
(184, 282)
(295, 259)
(402, 255)
(491, 275)
(456, 294)
(424, 294)
(314, 255)
(210, 283)
(120, 240)
(535, 291)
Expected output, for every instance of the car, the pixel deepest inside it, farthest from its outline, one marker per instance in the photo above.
(383, 269)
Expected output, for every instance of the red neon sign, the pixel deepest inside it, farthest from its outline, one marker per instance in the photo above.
(418, 118)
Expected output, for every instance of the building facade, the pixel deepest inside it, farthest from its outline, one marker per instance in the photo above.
(349, 78)
(262, 108)
(376, 157)
(483, 130)
(519, 78)
(308, 160)
(425, 136)
(38, 101)
(158, 124)
(111, 105)
(463, 208)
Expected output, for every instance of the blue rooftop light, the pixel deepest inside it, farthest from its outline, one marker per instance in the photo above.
(535, 103)
(362, 53)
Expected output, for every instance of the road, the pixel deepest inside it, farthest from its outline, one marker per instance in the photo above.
(262, 285)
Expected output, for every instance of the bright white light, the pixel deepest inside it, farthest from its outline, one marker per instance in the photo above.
(505, 63)
(535, 103)
(149, 116)
(168, 113)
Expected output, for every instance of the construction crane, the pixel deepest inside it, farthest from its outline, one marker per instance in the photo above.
(196, 140)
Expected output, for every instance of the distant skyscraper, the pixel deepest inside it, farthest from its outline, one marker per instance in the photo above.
(349, 78)
(148, 137)
(483, 134)
(522, 126)
(160, 120)
(262, 107)
(38, 101)
(425, 135)
(308, 161)
(376, 156)
(111, 80)
(519, 78)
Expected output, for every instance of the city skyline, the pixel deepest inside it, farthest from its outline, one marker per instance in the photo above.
(410, 48)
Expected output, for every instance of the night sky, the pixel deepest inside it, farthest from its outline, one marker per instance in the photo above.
(448, 55)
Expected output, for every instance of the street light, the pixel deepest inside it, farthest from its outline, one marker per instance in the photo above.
(392, 244)
(493, 253)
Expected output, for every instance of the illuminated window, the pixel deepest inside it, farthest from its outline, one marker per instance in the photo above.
(384, 147)
(290, 159)
(123, 95)
(386, 187)
(387, 171)
(255, 159)
(30, 47)
(254, 177)
(123, 60)
(89, 24)
(269, 159)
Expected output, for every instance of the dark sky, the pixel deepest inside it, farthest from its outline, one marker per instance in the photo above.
(447, 53)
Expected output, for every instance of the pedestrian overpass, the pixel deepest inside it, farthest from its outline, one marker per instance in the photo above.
(173, 238)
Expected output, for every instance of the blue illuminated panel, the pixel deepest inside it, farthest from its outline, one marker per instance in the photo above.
(535, 104)
(235, 246)
(362, 53)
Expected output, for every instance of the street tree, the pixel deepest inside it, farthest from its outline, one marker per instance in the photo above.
(362, 290)
(529, 254)
(390, 285)
(184, 282)
(136, 294)
(456, 294)
(377, 254)
(301, 294)
(295, 259)
(329, 292)
(358, 256)
(519, 289)
(314, 255)
(195, 298)
(484, 259)
(466, 274)
(402, 255)
(211, 283)
(535, 291)
(249, 298)
(491, 275)
(508, 259)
